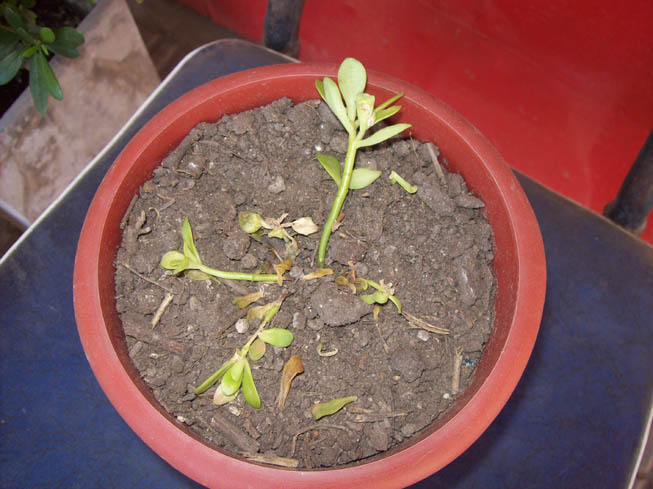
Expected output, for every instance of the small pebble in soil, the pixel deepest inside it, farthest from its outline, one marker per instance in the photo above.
(249, 261)
(277, 186)
(242, 325)
(423, 335)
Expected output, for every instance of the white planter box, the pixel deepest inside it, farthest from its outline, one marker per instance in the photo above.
(40, 155)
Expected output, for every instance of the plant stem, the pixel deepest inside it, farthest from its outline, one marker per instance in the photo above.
(339, 201)
(252, 277)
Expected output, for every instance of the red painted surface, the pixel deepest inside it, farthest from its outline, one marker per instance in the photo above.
(519, 266)
(562, 89)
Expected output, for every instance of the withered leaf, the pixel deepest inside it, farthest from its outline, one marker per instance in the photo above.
(319, 273)
(291, 369)
(243, 301)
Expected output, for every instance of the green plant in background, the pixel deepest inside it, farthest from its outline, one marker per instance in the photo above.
(236, 373)
(357, 114)
(24, 43)
(190, 260)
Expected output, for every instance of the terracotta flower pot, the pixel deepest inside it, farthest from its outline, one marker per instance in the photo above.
(519, 266)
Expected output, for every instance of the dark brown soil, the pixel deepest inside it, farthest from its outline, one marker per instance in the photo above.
(435, 247)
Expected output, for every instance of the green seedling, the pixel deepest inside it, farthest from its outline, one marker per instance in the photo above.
(25, 44)
(190, 261)
(327, 408)
(236, 374)
(382, 294)
(396, 178)
(357, 114)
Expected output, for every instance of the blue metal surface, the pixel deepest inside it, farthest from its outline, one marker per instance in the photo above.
(574, 421)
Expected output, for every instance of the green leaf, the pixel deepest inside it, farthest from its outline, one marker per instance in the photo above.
(277, 337)
(362, 177)
(7, 40)
(37, 83)
(13, 17)
(396, 178)
(389, 102)
(382, 135)
(50, 80)
(319, 86)
(249, 389)
(334, 101)
(351, 80)
(47, 35)
(385, 113)
(66, 42)
(322, 409)
(257, 350)
(24, 36)
(396, 302)
(189, 244)
(174, 260)
(232, 380)
(9, 66)
(69, 36)
(215, 377)
(30, 50)
(250, 222)
(364, 112)
(331, 165)
(377, 297)
(28, 3)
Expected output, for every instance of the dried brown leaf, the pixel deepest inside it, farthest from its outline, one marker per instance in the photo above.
(319, 273)
(291, 369)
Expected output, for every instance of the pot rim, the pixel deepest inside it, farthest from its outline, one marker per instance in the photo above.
(92, 300)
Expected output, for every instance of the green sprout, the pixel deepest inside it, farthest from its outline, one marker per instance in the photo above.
(236, 373)
(357, 114)
(382, 294)
(190, 261)
(396, 178)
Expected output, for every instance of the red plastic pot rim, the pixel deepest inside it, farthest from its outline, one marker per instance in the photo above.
(519, 266)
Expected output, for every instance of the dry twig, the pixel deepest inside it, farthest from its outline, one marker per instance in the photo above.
(415, 322)
(271, 459)
(162, 307)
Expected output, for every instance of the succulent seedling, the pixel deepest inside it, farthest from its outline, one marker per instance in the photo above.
(236, 373)
(190, 261)
(357, 114)
(382, 294)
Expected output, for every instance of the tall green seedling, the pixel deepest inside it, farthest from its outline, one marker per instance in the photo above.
(357, 114)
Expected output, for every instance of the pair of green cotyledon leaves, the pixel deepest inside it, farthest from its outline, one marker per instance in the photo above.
(356, 112)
